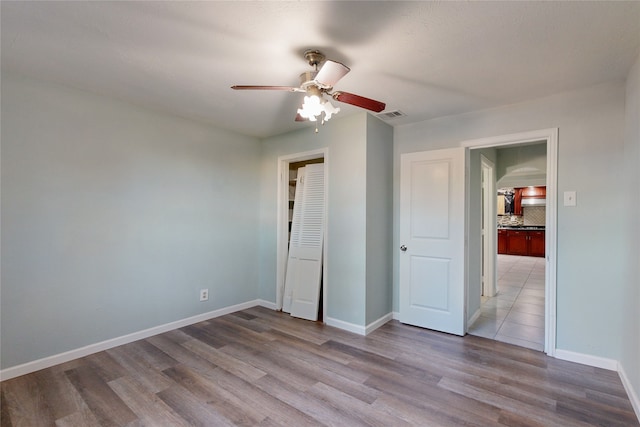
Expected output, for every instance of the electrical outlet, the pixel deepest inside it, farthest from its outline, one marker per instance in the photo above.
(204, 294)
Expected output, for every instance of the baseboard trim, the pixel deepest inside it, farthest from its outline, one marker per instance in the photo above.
(587, 359)
(266, 304)
(350, 327)
(359, 329)
(633, 396)
(474, 317)
(396, 315)
(56, 359)
(377, 323)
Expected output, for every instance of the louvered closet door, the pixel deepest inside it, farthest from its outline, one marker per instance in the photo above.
(294, 242)
(304, 268)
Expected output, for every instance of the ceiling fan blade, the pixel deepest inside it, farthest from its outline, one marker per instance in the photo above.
(299, 118)
(253, 87)
(331, 72)
(359, 101)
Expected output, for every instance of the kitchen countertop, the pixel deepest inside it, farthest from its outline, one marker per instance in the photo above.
(521, 227)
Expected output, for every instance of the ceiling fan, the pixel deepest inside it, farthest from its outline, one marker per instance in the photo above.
(318, 82)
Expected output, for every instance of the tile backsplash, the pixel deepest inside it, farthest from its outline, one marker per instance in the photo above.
(510, 220)
(534, 215)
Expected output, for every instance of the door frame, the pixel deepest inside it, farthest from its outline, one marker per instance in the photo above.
(489, 227)
(282, 222)
(550, 136)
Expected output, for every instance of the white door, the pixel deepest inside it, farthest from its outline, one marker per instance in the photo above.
(304, 269)
(294, 241)
(432, 239)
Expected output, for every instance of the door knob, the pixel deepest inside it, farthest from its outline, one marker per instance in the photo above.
(403, 248)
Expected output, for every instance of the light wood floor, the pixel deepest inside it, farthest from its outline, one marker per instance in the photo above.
(261, 367)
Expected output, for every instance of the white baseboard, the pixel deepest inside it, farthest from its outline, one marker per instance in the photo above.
(56, 359)
(396, 315)
(359, 329)
(377, 323)
(633, 396)
(266, 304)
(346, 326)
(586, 359)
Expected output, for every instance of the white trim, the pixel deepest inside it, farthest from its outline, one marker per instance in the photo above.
(359, 329)
(346, 326)
(551, 243)
(377, 323)
(396, 315)
(633, 396)
(587, 359)
(56, 359)
(490, 235)
(267, 304)
(474, 317)
(511, 139)
(551, 235)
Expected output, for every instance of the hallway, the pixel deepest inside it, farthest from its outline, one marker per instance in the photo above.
(516, 314)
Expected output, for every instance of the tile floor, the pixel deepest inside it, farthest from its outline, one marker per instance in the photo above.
(516, 314)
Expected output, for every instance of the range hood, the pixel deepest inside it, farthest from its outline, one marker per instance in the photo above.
(534, 201)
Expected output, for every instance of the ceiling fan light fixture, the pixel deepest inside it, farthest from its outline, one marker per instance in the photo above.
(311, 108)
(329, 110)
(317, 82)
(315, 106)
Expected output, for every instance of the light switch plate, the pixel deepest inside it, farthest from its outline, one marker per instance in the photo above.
(569, 198)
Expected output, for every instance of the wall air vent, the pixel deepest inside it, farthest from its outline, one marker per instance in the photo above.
(390, 115)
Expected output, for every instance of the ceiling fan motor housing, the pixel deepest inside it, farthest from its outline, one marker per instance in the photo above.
(307, 79)
(314, 57)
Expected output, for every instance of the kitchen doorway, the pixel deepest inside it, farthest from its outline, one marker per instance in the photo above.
(528, 284)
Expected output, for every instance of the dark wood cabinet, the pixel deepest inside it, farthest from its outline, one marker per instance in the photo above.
(502, 241)
(536, 243)
(521, 242)
(517, 201)
(517, 242)
(534, 192)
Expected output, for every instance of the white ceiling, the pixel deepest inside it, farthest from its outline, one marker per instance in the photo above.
(427, 59)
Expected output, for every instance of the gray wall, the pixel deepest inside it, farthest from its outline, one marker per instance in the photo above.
(590, 275)
(345, 138)
(358, 261)
(113, 218)
(379, 219)
(630, 307)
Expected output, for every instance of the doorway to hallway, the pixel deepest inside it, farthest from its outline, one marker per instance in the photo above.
(546, 287)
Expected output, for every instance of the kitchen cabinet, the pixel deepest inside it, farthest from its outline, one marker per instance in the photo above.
(517, 242)
(502, 241)
(517, 201)
(521, 242)
(534, 192)
(536, 243)
(500, 205)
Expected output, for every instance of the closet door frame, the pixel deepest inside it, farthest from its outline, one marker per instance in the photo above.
(283, 222)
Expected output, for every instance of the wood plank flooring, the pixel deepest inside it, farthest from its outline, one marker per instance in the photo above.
(259, 367)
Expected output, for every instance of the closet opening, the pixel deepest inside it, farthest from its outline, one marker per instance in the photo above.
(301, 243)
